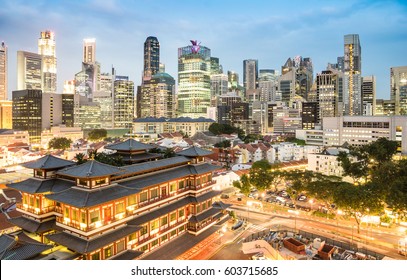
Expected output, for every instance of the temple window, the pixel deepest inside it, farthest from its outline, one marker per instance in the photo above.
(132, 199)
(108, 252)
(180, 185)
(154, 193)
(181, 213)
(163, 221)
(173, 187)
(94, 216)
(119, 208)
(120, 246)
(143, 196)
(95, 256)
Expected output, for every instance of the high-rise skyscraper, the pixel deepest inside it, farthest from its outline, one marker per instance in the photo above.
(151, 57)
(123, 102)
(250, 74)
(369, 95)
(46, 48)
(398, 89)
(3, 71)
(250, 79)
(352, 69)
(152, 66)
(29, 71)
(194, 83)
(89, 50)
(34, 111)
(327, 95)
(219, 86)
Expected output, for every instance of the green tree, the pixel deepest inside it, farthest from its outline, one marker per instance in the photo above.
(80, 158)
(358, 201)
(243, 185)
(168, 153)
(260, 175)
(222, 144)
(97, 134)
(59, 143)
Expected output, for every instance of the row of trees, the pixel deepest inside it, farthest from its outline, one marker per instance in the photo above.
(378, 181)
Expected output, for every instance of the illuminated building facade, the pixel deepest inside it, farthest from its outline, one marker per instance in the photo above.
(3, 71)
(194, 83)
(123, 102)
(151, 57)
(29, 71)
(369, 95)
(101, 212)
(352, 81)
(398, 89)
(46, 48)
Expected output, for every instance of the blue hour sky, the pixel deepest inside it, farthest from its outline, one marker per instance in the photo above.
(270, 31)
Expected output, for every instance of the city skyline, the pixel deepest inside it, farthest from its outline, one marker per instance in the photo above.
(279, 31)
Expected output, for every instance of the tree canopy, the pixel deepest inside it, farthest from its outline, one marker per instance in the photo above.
(97, 134)
(59, 143)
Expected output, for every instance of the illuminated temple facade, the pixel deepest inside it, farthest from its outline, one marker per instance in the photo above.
(98, 211)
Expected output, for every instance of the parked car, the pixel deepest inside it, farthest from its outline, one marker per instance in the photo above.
(237, 225)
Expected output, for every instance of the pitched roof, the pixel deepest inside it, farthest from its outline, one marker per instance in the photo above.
(48, 162)
(204, 215)
(127, 255)
(35, 185)
(194, 152)
(84, 198)
(129, 145)
(20, 247)
(153, 165)
(168, 175)
(90, 169)
(32, 225)
(84, 246)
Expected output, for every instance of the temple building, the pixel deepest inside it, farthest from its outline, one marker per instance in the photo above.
(98, 211)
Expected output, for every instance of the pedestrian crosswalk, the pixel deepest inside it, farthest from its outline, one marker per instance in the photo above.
(256, 228)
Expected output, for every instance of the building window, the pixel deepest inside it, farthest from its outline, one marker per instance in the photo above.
(143, 196)
(133, 236)
(66, 212)
(154, 243)
(83, 217)
(154, 225)
(181, 228)
(163, 221)
(181, 213)
(108, 252)
(120, 246)
(100, 182)
(154, 193)
(164, 238)
(75, 215)
(95, 256)
(83, 182)
(173, 187)
(180, 185)
(173, 216)
(119, 208)
(173, 233)
(94, 216)
(144, 230)
(144, 248)
(132, 199)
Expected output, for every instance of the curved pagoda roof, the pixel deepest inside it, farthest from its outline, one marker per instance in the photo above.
(194, 152)
(129, 145)
(48, 162)
(90, 169)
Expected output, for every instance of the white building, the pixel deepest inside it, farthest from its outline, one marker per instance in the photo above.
(362, 130)
(326, 162)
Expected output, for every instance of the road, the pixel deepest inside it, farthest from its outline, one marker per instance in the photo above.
(371, 238)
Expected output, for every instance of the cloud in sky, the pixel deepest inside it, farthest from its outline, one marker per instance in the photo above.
(233, 30)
